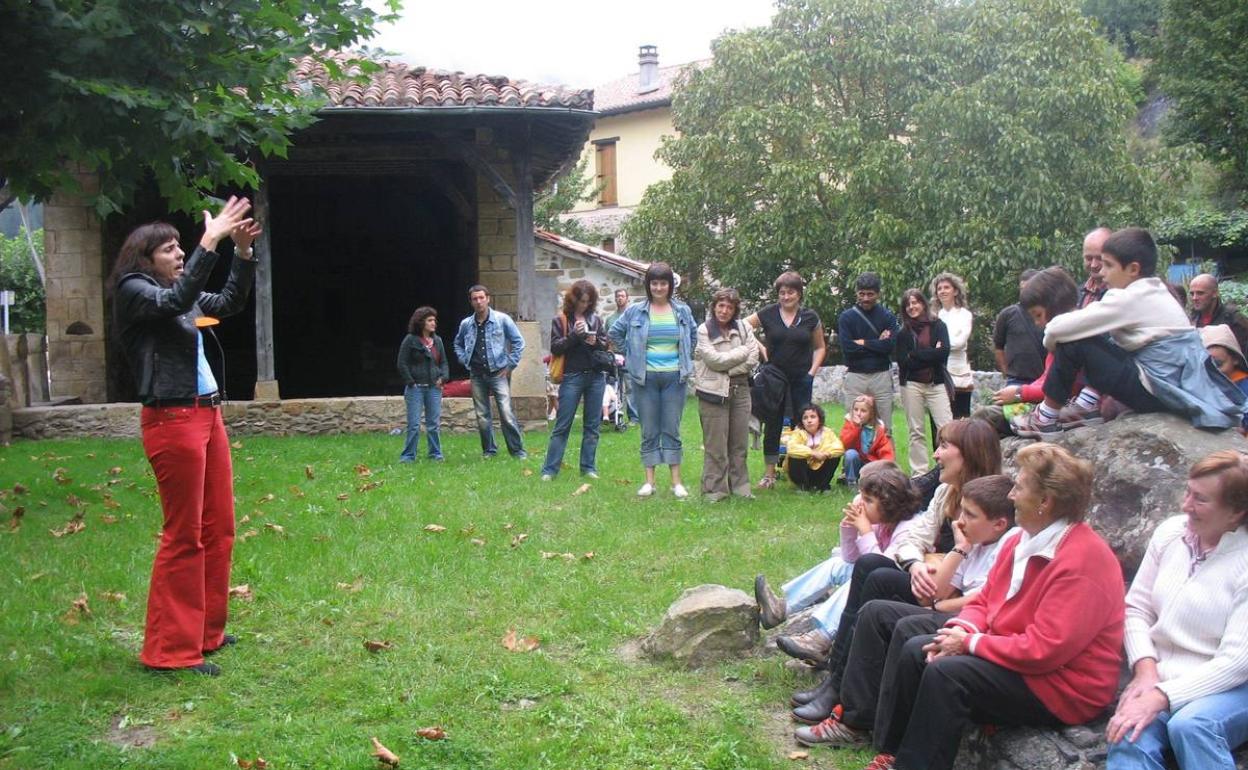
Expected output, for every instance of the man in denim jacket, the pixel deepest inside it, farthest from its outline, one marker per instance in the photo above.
(489, 345)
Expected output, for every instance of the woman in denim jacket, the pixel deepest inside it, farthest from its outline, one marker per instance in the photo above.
(658, 337)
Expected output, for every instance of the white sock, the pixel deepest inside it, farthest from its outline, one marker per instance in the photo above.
(1045, 414)
(1088, 400)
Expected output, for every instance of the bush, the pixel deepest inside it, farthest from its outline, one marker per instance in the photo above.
(17, 274)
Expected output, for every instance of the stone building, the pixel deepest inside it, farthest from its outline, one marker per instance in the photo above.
(411, 186)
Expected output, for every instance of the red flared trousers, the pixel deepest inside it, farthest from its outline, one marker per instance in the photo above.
(187, 603)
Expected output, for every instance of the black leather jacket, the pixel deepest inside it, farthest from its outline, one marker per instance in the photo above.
(156, 325)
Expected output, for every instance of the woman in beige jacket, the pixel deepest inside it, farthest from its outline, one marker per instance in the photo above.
(723, 359)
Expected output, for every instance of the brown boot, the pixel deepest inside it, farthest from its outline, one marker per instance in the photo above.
(771, 608)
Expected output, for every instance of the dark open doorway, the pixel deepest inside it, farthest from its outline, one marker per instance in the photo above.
(353, 256)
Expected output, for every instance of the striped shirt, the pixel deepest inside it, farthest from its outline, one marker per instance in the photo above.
(663, 344)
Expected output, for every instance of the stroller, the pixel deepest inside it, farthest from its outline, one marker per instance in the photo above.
(614, 401)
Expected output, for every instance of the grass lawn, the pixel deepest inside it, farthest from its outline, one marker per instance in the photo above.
(332, 564)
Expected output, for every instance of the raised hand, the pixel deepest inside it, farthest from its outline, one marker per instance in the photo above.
(243, 235)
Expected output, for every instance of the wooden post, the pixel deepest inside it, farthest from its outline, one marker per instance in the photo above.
(266, 376)
(526, 262)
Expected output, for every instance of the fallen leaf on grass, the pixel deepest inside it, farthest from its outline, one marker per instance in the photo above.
(582, 489)
(384, 755)
(553, 555)
(61, 476)
(116, 470)
(518, 539)
(246, 518)
(73, 526)
(434, 528)
(73, 501)
(242, 592)
(352, 587)
(477, 541)
(77, 610)
(799, 755)
(296, 491)
(36, 576)
(509, 526)
(343, 496)
(526, 472)
(111, 503)
(374, 646)
(112, 596)
(108, 518)
(237, 445)
(19, 489)
(258, 763)
(307, 471)
(278, 528)
(468, 530)
(517, 643)
(247, 534)
(353, 514)
(370, 485)
(363, 470)
(587, 555)
(16, 521)
(270, 497)
(435, 733)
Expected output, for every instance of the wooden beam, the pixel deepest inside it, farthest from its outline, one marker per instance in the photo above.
(265, 371)
(483, 167)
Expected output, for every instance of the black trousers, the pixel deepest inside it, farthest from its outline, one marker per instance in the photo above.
(883, 627)
(921, 718)
(803, 477)
(1105, 366)
(874, 577)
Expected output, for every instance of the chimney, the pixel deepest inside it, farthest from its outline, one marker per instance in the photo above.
(648, 58)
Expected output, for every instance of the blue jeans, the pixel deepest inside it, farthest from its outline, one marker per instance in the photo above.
(483, 385)
(427, 399)
(803, 590)
(661, 400)
(575, 386)
(1202, 735)
(852, 462)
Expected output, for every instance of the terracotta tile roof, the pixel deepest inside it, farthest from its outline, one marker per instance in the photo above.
(621, 95)
(617, 261)
(399, 85)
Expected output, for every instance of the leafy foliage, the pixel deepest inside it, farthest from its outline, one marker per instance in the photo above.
(17, 274)
(561, 197)
(1203, 67)
(178, 89)
(1130, 24)
(897, 136)
(1206, 225)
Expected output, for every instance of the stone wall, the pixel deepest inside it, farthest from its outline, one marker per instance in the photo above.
(830, 381)
(75, 294)
(312, 416)
(496, 230)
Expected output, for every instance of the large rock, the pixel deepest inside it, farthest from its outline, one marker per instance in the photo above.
(706, 624)
(1141, 464)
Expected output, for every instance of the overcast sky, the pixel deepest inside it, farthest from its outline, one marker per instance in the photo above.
(574, 42)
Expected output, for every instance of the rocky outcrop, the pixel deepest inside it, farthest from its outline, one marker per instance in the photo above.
(1141, 464)
(706, 624)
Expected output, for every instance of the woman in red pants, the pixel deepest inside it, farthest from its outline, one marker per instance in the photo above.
(158, 295)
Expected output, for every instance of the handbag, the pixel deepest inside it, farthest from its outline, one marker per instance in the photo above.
(555, 367)
(604, 361)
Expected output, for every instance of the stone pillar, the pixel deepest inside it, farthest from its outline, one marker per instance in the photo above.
(74, 261)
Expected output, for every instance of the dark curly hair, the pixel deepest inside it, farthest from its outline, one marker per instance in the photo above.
(898, 498)
(417, 323)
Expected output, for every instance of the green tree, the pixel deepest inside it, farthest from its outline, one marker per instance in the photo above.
(180, 90)
(17, 274)
(560, 197)
(897, 136)
(1203, 67)
(1130, 24)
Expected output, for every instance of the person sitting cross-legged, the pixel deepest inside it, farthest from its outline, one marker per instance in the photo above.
(813, 451)
(985, 522)
(1136, 345)
(1187, 630)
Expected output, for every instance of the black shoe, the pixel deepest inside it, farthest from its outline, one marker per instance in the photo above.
(820, 707)
(226, 641)
(802, 697)
(204, 669)
(771, 608)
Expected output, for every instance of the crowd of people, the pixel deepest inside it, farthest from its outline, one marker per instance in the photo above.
(955, 597)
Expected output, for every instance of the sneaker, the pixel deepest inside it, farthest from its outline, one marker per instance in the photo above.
(812, 646)
(1074, 416)
(882, 762)
(831, 732)
(551, 417)
(646, 490)
(1029, 426)
(772, 609)
(547, 477)
(680, 492)
(521, 455)
(590, 474)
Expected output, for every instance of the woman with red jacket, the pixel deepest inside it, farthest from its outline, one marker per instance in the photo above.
(865, 438)
(1040, 644)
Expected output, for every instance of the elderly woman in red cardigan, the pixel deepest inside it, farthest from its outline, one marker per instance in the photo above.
(1041, 644)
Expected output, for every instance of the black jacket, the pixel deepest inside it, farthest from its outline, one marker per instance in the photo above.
(417, 367)
(156, 325)
(911, 358)
(873, 356)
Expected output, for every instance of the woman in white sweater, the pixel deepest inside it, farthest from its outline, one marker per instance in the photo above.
(949, 294)
(1187, 630)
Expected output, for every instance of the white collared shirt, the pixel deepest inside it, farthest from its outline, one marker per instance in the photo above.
(1043, 543)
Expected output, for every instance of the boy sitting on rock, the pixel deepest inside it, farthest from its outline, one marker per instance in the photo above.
(1136, 345)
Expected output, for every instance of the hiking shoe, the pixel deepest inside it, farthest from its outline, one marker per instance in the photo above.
(831, 732)
(882, 762)
(812, 646)
(1029, 426)
(772, 609)
(1074, 416)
